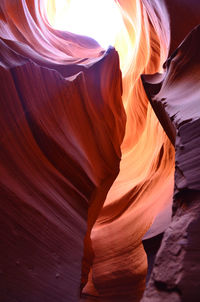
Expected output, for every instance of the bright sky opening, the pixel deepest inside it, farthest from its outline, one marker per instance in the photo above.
(98, 19)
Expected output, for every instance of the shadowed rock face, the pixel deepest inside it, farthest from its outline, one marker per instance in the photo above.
(86, 171)
(184, 16)
(177, 266)
(62, 125)
(176, 270)
(58, 160)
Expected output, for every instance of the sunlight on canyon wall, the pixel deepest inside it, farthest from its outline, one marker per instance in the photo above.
(143, 189)
(144, 186)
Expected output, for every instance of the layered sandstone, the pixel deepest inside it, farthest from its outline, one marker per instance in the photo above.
(175, 99)
(86, 168)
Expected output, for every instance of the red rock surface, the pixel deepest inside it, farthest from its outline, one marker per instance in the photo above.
(86, 171)
(61, 128)
(177, 265)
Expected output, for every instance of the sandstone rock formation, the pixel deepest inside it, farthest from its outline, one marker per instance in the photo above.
(175, 99)
(86, 168)
(61, 128)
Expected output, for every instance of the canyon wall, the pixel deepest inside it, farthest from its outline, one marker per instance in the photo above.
(175, 99)
(62, 123)
(87, 156)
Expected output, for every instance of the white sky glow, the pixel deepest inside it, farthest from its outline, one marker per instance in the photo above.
(98, 19)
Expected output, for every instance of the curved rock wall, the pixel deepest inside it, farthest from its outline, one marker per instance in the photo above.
(176, 270)
(61, 128)
(86, 167)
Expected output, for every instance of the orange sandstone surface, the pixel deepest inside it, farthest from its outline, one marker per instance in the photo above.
(86, 169)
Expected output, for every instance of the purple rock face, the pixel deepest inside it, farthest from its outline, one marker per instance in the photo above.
(184, 16)
(175, 275)
(86, 169)
(175, 97)
(48, 181)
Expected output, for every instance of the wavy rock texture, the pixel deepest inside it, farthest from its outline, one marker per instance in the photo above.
(85, 170)
(144, 187)
(55, 165)
(60, 152)
(177, 266)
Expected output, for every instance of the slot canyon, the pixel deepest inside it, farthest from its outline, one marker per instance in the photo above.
(99, 175)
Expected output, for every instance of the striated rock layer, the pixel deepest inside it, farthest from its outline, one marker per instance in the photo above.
(144, 185)
(175, 99)
(86, 172)
(61, 127)
(55, 165)
(119, 266)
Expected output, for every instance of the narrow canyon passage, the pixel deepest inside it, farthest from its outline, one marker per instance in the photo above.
(99, 110)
